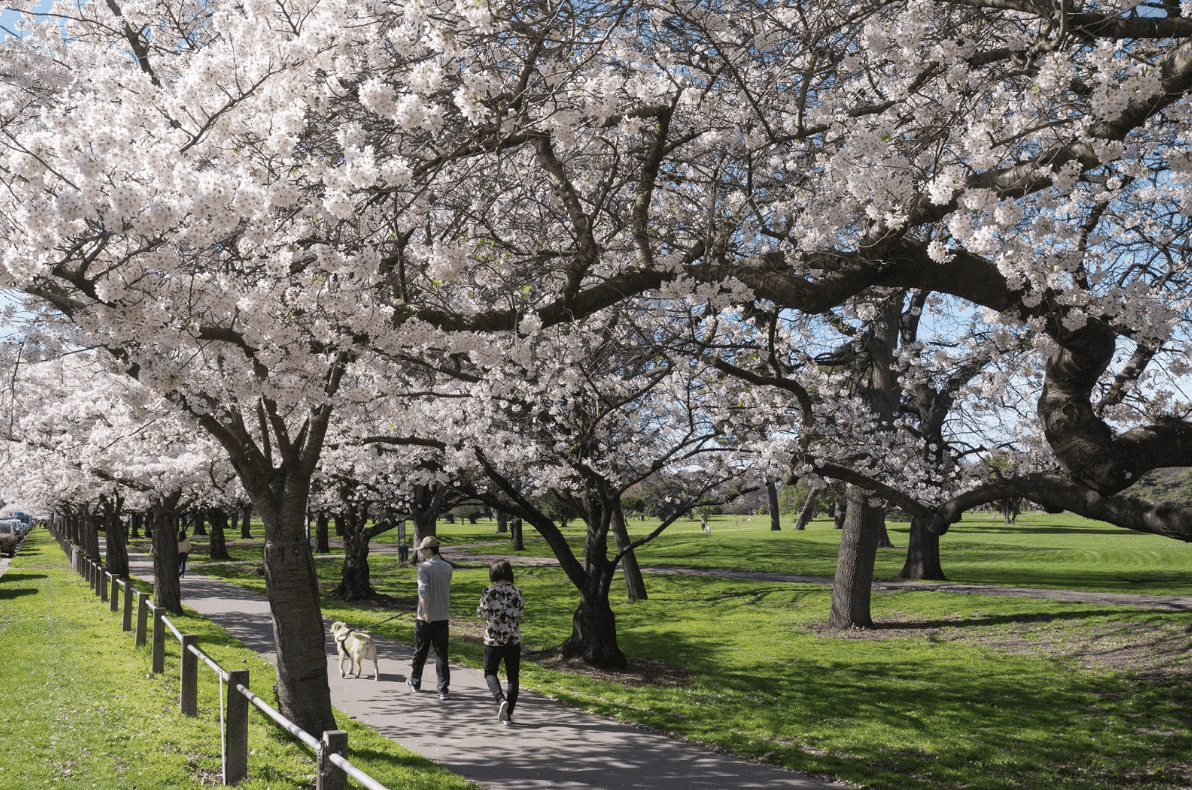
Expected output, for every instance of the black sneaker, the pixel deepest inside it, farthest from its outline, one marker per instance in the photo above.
(503, 711)
(444, 695)
(410, 683)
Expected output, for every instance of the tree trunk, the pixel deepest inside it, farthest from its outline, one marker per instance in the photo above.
(922, 554)
(354, 581)
(302, 688)
(116, 546)
(246, 523)
(635, 585)
(808, 509)
(322, 536)
(91, 535)
(839, 511)
(594, 635)
(200, 527)
(516, 536)
(854, 567)
(772, 497)
(424, 511)
(502, 522)
(166, 592)
(883, 538)
(217, 541)
(134, 525)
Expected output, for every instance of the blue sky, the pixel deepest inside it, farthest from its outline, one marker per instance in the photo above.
(8, 17)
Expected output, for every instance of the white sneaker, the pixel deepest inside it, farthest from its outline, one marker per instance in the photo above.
(503, 711)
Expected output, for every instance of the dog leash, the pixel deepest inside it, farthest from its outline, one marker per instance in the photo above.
(394, 617)
(374, 625)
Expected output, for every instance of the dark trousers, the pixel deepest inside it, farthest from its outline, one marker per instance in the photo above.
(425, 635)
(181, 562)
(493, 656)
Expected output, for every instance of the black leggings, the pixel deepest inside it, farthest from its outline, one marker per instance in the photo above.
(493, 656)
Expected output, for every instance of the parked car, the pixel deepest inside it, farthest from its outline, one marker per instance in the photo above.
(10, 537)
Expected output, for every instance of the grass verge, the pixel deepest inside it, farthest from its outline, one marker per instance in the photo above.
(80, 707)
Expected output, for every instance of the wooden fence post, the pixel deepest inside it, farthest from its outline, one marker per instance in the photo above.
(101, 585)
(235, 751)
(142, 617)
(329, 776)
(114, 598)
(126, 624)
(188, 697)
(159, 642)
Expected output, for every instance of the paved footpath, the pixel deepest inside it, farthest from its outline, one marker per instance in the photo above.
(552, 747)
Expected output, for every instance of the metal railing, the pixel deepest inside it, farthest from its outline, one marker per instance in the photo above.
(332, 768)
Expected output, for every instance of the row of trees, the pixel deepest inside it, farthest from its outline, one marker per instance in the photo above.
(407, 254)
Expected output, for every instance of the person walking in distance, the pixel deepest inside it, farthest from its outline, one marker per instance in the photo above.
(434, 609)
(501, 607)
(184, 547)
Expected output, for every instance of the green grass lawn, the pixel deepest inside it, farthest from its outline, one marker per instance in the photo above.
(953, 691)
(80, 707)
(1040, 550)
(949, 691)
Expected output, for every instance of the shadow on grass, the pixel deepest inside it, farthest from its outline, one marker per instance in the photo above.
(7, 594)
(20, 576)
(984, 621)
(1042, 530)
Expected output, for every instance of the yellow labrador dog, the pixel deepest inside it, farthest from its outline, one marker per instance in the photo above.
(355, 646)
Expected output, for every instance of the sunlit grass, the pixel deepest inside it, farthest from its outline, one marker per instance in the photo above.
(80, 707)
(1040, 550)
(954, 691)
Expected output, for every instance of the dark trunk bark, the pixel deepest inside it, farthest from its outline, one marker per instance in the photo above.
(865, 523)
(199, 524)
(772, 498)
(355, 582)
(322, 536)
(854, 567)
(217, 541)
(134, 525)
(807, 512)
(166, 591)
(517, 539)
(246, 523)
(922, 554)
(839, 511)
(303, 692)
(90, 535)
(502, 522)
(883, 538)
(635, 585)
(116, 546)
(425, 507)
(594, 635)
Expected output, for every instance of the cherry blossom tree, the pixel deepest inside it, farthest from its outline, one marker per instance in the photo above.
(243, 202)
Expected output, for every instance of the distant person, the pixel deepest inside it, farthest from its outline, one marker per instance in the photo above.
(184, 546)
(501, 608)
(434, 610)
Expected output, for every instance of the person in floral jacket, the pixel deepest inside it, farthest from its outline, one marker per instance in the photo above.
(501, 607)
